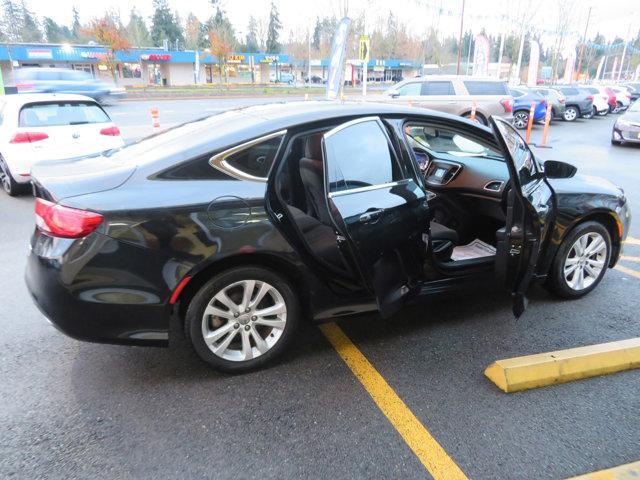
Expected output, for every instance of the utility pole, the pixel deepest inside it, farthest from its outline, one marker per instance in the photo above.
(519, 64)
(584, 40)
(460, 42)
(624, 52)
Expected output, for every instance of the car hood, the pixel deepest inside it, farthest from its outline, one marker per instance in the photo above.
(631, 117)
(585, 184)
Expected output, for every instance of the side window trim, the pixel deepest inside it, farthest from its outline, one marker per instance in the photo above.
(219, 160)
(392, 151)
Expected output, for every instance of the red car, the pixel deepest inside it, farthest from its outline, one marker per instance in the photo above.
(613, 101)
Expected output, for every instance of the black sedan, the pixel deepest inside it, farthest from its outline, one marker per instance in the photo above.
(238, 227)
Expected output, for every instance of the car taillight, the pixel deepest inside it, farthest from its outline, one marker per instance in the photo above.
(28, 137)
(66, 222)
(111, 131)
(23, 87)
(507, 105)
(590, 98)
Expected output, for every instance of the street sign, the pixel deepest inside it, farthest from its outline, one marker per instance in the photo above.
(364, 48)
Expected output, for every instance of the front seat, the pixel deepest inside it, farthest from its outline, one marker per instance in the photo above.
(443, 240)
(312, 175)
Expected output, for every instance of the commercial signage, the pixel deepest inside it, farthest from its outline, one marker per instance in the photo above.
(481, 56)
(40, 53)
(91, 54)
(269, 59)
(534, 62)
(156, 57)
(235, 58)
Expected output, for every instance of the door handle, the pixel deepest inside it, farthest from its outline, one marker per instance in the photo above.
(371, 216)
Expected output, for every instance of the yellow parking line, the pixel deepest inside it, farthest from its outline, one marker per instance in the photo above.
(425, 447)
(628, 271)
(544, 369)
(623, 472)
(632, 241)
(629, 258)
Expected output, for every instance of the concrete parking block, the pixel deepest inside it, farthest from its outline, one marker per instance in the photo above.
(544, 369)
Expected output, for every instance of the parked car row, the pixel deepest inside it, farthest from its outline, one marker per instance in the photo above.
(461, 95)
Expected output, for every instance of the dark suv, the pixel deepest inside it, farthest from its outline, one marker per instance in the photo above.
(578, 102)
(238, 227)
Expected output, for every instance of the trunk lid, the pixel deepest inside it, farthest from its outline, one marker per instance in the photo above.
(61, 179)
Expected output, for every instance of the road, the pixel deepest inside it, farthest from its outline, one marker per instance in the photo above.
(76, 410)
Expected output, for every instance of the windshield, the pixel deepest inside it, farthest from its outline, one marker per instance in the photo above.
(441, 140)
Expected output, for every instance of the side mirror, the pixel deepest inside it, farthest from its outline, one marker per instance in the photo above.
(393, 93)
(556, 169)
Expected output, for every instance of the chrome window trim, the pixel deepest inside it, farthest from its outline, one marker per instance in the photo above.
(219, 162)
(341, 193)
(348, 124)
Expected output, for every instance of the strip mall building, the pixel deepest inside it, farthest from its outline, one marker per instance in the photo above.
(156, 66)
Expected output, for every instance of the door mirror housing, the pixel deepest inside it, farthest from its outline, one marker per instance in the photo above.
(393, 93)
(557, 169)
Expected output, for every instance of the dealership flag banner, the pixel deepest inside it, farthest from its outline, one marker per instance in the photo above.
(569, 67)
(336, 62)
(615, 68)
(636, 76)
(481, 56)
(599, 70)
(534, 62)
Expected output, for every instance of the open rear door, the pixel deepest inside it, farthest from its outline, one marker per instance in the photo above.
(378, 210)
(530, 205)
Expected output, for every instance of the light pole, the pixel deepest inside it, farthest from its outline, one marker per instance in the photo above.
(584, 40)
(460, 41)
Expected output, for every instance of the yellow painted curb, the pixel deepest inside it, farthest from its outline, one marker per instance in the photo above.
(632, 241)
(544, 369)
(628, 271)
(630, 471)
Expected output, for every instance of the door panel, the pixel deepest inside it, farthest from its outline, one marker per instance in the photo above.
(530, 211)
(379, 215)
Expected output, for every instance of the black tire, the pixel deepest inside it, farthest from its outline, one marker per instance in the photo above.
(571, 113)
(521, 119)
(556, 282)
(194, 320)
(590, 114)
(615, 142)
(479, 118)
(9, 185)
(603, 113)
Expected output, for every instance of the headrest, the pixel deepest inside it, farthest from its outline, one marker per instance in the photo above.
(313, 147)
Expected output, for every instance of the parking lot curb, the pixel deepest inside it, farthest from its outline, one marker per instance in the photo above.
(544, 369)
(623, 472)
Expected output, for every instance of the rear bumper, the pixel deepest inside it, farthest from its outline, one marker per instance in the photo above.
(78, 286)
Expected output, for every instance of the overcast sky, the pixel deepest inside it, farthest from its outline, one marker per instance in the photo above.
(611, 19)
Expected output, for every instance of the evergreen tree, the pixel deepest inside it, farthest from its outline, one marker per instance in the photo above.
(164, 25)
(11, 24)
(317, 34)
(252, 44)
(273, 30)
(30, 28)
(76, 28)
(136, 31)
(54, 33)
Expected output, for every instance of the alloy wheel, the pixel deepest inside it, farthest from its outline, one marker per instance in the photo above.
(520, 120)
(244, 320)
(570, 114)
(585, 261)
(4, 177)
(616, 109)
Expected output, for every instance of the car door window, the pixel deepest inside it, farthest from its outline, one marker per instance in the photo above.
(410, 89)
(443, 140)
(250, 161)
(523, 159)
(359, 155)
(437, 88)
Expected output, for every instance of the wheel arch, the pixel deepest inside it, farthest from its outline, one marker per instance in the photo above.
(275, 263)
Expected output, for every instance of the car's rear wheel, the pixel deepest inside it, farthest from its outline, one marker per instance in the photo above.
(617, 108)
(603, 113)
(242, 318)
(521, 119)
(570, 114)
(9, 185)
(590, 113)
(581, 261)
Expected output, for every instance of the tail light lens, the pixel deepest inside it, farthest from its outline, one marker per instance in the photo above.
(110, 131)
(66, 222)
(28, 137)
(590, 98)
(507, 105)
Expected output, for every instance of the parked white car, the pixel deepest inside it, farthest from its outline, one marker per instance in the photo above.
(623, 97)
(43, 127)
(600, 98)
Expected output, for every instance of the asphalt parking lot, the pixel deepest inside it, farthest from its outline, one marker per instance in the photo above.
(77, 410)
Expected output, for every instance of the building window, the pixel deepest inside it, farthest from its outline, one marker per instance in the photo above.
(131, 70)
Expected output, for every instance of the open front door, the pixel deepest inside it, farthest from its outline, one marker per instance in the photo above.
(377, 208)
(530, 205)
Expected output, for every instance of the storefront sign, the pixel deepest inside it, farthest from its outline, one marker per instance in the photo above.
(91, 54)
(269, 59)
(43, 53)
(156, 57)
(235, 58)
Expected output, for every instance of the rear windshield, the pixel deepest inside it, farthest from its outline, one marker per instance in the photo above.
(61, 113)
(569, 91)
(486, 87)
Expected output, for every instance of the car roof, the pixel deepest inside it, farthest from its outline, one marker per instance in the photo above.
(23, 98)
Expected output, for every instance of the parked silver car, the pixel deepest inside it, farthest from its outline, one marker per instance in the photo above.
(455, 94)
